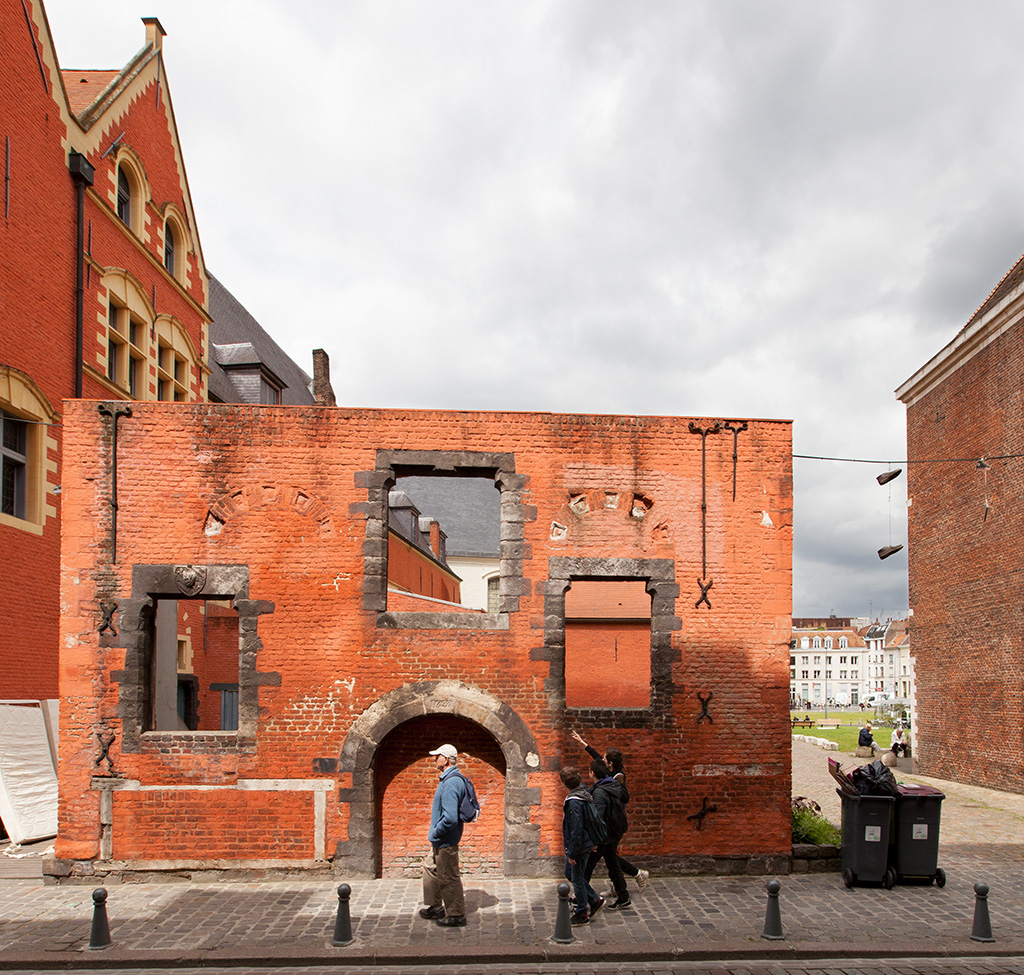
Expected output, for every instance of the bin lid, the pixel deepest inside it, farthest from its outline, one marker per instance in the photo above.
(908, 791)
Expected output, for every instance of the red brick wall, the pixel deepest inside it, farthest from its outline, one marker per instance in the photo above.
(176, 826)
(289, 487)
(607, 664)
(411, 570)
(965, 569)
(37, 334)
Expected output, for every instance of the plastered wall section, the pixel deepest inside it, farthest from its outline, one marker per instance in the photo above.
(284, 492)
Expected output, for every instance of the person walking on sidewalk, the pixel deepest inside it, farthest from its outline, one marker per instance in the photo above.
(610, 798)
(579, 844)
(442, 879)
(613, 759)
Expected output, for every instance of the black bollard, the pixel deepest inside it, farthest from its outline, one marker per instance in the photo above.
(99, 937)
(772, 917)
(563, 925)
(982, 930)
(343, 924)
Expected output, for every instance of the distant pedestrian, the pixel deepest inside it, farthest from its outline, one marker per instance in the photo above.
(613, 759)
(610, 798)
(579, 843)
(442, 879)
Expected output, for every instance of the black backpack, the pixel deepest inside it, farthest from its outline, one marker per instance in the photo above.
(616, 821)
(594, 823)
(469, 805)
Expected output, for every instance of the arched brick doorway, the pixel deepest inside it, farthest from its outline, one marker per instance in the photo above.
(473, 715)
(404, 784)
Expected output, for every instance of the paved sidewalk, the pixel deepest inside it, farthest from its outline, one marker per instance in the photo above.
(510, 921)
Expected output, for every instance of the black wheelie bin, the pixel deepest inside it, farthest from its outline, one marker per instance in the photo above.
(916, 848)
(864, 853)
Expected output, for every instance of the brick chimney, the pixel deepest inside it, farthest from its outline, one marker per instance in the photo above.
(323, 394)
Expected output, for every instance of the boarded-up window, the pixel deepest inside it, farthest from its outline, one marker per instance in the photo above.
(607, 644)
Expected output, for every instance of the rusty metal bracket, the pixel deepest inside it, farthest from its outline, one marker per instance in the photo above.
(108, 610)
(704, 701)
(114, 412)
(735, 431)
(105, 742)
(705, 809)
(704, 582)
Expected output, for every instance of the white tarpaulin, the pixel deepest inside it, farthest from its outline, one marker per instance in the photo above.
(28, 785)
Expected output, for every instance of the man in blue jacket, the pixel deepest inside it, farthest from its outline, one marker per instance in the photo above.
(442, 881)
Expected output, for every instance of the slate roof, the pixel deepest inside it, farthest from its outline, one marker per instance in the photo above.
(468, 510)
(241, 340)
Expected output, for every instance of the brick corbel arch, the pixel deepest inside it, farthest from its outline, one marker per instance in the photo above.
(357, 855)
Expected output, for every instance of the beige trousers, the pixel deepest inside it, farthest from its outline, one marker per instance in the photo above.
(442, 881)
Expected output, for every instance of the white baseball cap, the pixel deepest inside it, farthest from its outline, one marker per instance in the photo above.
(449, 751)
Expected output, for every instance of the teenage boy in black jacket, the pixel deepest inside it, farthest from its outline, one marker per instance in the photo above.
(610, 798)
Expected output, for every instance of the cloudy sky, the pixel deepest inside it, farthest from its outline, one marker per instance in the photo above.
(716, 209)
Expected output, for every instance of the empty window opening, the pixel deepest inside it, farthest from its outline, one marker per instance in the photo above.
(607, 644)
(194, 662)
(444, 543)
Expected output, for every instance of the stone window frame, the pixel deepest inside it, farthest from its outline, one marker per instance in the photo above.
(659, 576)
(150, 583)
(392, 464)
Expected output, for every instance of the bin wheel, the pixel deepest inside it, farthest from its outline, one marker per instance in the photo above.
(889, 879)
(848, 877)
(940, 877)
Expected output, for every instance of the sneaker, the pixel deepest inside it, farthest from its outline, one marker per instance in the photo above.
(580, 917)
(431, 913)
(620, 903)
(452, 921)
(596, 906)
(642, 876)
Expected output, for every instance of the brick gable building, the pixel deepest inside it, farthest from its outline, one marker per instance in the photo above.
(280, 515)
(104, 294)
(965, 443)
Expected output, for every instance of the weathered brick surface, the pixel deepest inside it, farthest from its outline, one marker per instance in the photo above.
(965, 568)
(356, 695)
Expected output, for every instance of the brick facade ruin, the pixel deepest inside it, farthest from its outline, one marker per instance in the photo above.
(281, 513)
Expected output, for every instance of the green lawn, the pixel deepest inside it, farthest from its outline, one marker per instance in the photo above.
(845, 736)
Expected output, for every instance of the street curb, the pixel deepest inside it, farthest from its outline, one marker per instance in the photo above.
(538, 954)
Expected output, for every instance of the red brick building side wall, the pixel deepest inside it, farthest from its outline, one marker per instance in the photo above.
(277, 503)
(965, 568)
(37, 334)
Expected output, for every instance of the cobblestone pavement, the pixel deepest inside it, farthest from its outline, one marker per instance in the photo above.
(674, 922)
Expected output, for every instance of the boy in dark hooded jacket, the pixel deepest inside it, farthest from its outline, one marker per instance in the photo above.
(610, 797)
(578, 845)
